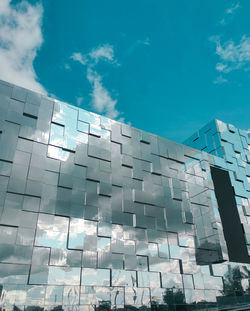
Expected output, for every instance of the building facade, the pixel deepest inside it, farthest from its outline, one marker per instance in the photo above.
(231, 144)
(98, 215)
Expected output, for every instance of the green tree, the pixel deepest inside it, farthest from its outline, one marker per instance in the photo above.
(232, 282)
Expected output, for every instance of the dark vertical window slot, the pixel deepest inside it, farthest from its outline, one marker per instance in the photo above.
(233, 231)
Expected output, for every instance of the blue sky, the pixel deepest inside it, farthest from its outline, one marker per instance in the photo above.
(167, 67)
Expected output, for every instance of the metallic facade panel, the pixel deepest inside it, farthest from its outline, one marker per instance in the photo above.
(95, 214)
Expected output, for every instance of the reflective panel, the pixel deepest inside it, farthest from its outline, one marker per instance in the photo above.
(63, 276)
(100, 277)
(98, 215)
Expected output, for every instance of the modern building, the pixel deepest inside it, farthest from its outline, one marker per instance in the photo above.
(98, 215)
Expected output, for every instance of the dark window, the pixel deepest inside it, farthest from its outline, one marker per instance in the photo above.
(233, 231)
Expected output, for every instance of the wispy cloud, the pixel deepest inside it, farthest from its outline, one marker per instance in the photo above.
(103, 52)
(233, 8)
(230, 11)
(220, 67)
(101, 99)
(20, 39)
(233, 56)
(79, 101)
(136, 44)
(82, 59)
(146, 41)
(220, 80)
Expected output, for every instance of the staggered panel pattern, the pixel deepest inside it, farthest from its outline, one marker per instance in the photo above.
(95, 214)
(233, 145)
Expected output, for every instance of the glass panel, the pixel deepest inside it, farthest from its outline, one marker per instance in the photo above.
(100, 277)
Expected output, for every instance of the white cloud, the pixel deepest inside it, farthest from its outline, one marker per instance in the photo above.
(144, 42)
(233, 8)
(103, 52)
(229, 13)
(79, 58)
(101, 99)
(220, 80)
(79, 101)
(220, 67)
(67, 66)
(138, 43)
(20, 39)
(232, 56)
